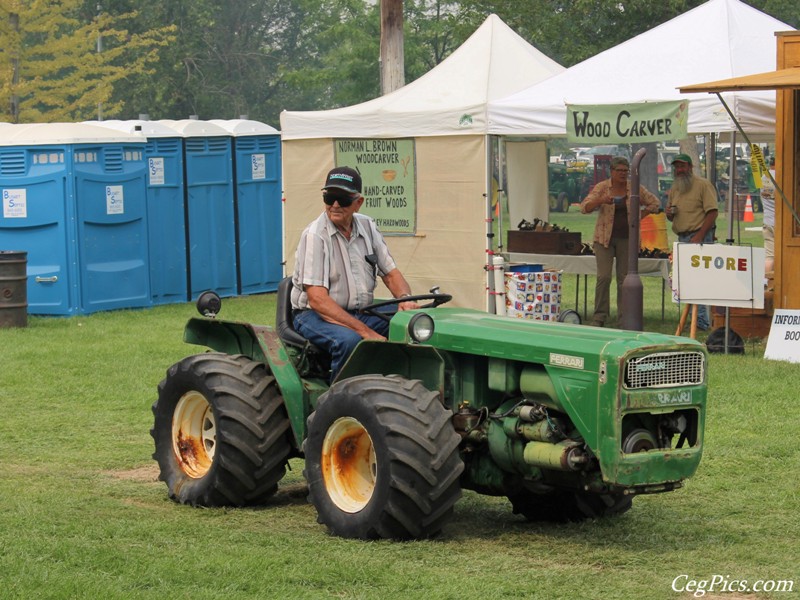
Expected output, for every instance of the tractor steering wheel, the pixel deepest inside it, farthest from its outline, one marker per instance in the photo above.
(436, 300)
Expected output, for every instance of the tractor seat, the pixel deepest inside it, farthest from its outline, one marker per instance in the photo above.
(284, 324)
(318, 362)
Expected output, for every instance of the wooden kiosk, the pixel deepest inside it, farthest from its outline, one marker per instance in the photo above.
(786, 81)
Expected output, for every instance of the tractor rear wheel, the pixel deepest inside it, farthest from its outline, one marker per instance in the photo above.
(568, 506)
(382, 459)
(221, 431)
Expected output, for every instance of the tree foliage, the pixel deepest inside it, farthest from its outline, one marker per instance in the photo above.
(258, 57)
(51, 67)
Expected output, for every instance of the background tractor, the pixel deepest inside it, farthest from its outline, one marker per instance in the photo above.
(567, 421)
(568, 183)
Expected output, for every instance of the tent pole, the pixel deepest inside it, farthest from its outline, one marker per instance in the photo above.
(731, 216)
(731, 188)
(501, 191)
(711, 159)
(490, 291)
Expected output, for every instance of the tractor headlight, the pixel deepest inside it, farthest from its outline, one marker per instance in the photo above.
(420, 328)
(569, 316)
(209, 304)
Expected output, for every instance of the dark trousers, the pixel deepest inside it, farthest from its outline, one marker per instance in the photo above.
(336, 340)
(617, 248)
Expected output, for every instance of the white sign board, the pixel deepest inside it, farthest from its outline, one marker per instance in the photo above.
(258, 166)
(718, 274)
(155, 169)
(783, 342)
(115, 200)
(15, 204)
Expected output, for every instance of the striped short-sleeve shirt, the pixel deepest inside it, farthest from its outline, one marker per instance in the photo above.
(325, 257)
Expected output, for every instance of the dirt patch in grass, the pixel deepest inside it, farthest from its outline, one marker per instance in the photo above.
(147, 474)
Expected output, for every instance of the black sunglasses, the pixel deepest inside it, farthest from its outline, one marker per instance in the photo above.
(343, 200)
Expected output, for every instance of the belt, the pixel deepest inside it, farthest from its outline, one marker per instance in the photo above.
(296, 311)
(688, 232)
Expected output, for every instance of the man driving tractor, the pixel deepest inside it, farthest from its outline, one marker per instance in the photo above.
(337, 263)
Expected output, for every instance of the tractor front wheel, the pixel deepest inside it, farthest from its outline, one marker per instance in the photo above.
(382, 459)
(221, 431)
(563, 202)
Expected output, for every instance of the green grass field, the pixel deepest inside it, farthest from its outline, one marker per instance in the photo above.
(82, 514)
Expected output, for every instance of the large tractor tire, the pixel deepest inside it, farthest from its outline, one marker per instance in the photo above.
(382, 459)
(221, 431)
(563, 202)
(563, 506)
(559, 203)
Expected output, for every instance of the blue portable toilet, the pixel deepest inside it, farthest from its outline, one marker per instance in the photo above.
(74, 200)
(210, 215)
(259, 210)
(166, 227)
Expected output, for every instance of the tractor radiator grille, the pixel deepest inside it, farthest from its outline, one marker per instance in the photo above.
(665, 369)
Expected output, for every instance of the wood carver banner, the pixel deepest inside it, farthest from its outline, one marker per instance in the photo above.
(627, 123)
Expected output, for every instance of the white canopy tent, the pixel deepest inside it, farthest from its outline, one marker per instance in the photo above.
(444, 112)
(716, 40)
(493, 63)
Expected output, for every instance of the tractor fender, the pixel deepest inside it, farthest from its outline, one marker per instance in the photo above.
(262, 344)
(411, 361)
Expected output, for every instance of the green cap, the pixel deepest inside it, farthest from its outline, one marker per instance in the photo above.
(682, 158)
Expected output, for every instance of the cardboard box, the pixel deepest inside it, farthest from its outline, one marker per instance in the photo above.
(544, 242)
(747, 322)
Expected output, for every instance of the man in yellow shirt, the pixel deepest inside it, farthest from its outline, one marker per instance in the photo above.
(692, 208)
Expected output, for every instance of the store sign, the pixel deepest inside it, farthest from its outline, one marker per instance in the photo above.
(718, 274)
(389, 179)
(627, 123)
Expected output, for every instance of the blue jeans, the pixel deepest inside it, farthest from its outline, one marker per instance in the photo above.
(703, 317)
(336, 340)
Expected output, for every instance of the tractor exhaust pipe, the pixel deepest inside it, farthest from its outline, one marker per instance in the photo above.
(632, 289)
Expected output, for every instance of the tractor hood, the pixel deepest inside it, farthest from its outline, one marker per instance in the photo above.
(542, 342)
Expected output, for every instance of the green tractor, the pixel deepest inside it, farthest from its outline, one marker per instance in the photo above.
(568, 183)
(568, 422)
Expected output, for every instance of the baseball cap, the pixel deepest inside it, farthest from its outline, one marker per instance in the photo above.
(682, 158)
(343, 178)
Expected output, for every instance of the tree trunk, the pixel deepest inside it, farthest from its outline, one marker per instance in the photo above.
(13, 21)
(392, 69)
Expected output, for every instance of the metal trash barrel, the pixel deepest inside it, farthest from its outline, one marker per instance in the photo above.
(13, 289)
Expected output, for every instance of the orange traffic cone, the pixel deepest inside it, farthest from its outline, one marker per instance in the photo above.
(748, 211)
